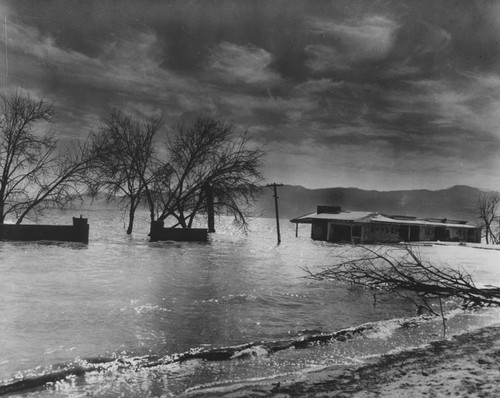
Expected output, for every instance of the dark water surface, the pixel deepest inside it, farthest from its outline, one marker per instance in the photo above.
(114, 316)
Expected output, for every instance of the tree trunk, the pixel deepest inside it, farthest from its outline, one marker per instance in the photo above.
(210, 208)
(131, 216)
(182, 219)
(130, 222)
(152, 220)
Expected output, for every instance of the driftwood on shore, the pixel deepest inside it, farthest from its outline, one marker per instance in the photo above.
(103, 364)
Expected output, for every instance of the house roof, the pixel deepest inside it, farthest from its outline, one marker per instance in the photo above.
(373, 217)
(340, 216)
(386, 219)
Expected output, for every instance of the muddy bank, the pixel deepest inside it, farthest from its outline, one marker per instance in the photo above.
(464, 366)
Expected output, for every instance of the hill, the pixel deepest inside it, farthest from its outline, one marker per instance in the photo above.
(458, 202)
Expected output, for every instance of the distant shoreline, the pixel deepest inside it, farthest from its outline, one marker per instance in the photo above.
(463, 366)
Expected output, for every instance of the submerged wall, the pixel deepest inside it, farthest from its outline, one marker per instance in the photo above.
(379, 232)
(160, 233)
(78, 232)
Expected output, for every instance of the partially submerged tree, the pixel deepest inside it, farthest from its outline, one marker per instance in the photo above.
(206, 163)
(127, 163)
(202, 167)
(487, 205)
(34, 174)
(401, 271)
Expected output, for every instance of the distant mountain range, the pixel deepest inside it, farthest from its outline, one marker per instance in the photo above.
(458, 202)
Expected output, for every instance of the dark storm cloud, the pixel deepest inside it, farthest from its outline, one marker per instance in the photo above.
(392, 84)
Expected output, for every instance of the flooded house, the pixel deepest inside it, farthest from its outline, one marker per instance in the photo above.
(332, 224)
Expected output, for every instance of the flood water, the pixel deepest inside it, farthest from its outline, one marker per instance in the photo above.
(122, 310)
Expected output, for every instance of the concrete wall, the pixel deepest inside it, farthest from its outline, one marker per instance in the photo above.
(78, 232)
(160, 233)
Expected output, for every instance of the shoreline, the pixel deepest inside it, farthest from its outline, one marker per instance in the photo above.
(465, 365)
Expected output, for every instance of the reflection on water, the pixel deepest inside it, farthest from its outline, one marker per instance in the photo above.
(123, 297)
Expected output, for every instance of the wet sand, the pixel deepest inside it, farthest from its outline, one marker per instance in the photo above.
(463, 366)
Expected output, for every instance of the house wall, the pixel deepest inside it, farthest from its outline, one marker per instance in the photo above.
(457, 234)
(339, 231)
(474, 235)
(377, 232)
(427, 233)
(453, 234)
(319, 230)
(390, 233)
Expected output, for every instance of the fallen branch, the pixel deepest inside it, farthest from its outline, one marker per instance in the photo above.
(400, 270)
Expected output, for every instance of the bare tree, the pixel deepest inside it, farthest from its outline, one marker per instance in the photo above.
(400, 270)
(126, 166)
(487, 205)
(205, 161)
(34, 174)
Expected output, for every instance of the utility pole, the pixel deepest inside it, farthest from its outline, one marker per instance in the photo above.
(6, 59)
(274, 185)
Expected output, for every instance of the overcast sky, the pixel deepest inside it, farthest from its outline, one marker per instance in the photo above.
(371, 94)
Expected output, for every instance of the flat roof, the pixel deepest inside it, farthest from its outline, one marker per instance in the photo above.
(384, 219)
(373, 217)
(340, 216)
